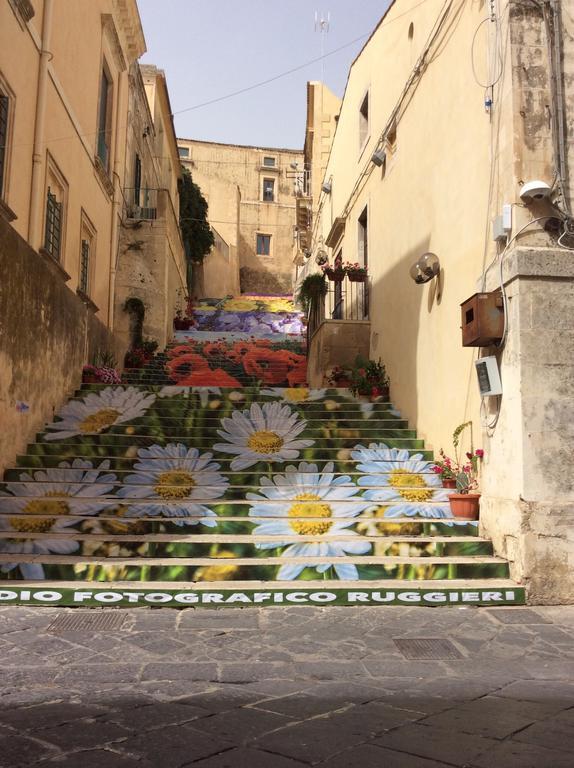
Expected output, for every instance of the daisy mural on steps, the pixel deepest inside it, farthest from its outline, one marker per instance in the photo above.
(262, 433)
(295, 395)
(304, 492)
(172, 481)
(404, 484)
(44, 502)
(98, 411)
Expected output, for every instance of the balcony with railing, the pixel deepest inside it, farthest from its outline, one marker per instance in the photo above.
(346, 299)
(338, 326)
(144, 204)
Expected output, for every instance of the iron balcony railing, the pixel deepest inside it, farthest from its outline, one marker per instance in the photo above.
(142, 203)
(347, 299)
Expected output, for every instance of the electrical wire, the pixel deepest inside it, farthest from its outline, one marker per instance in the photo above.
(498, 52)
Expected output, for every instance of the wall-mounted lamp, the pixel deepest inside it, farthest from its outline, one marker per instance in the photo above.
(326, 187)
(378, 157)
(425, 268)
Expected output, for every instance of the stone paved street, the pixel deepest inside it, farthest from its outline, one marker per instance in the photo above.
(288, 687)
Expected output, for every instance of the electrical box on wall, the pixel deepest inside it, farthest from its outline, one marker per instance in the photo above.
(482, 319)
(488, 376)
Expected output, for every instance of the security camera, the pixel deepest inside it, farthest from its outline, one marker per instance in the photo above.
(534, 190)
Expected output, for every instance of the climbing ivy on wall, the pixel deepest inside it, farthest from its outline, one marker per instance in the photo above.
(196, 232)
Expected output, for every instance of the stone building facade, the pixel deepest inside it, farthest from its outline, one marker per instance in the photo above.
(66, 90)
(449, 110)
(151, 269)
(249, 191)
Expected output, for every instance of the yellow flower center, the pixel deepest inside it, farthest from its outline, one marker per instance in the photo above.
(265, 442)
(41, 507)
(218, 572)
(174, 485)
(410, 486)
(96, 422)
(297, 394)
(307, 507)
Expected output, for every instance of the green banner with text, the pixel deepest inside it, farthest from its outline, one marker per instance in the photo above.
(185, 598)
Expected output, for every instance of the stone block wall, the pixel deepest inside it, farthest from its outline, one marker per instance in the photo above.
(46, 334)
(528, 486)
(336, 342)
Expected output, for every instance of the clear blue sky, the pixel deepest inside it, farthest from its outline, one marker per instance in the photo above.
(209, 48)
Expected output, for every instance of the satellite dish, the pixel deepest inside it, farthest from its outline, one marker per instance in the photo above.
(425, 268)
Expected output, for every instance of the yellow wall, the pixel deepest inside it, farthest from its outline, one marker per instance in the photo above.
(224, 171)
(78, 39)
(432, 195)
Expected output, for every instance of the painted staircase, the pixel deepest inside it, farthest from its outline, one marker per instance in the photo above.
(213, 477)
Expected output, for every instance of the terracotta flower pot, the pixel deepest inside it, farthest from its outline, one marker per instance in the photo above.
(449, 482)
(464, 506)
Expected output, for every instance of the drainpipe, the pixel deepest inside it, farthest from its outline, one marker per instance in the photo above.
(553, 22)
(36, 186)
(116, 206)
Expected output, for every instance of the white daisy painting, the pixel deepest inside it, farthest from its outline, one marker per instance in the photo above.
(306, 492)
(295, 395)
(98, 411)
(48, 502)
(405, 485)
(262, 433)
(172, 481)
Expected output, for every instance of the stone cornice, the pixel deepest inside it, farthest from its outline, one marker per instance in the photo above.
(112, 36)
(130, 28)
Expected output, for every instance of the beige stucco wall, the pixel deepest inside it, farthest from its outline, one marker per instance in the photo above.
(231, 178)
(79, 38)
(46, 335)
(453, 165)
(150, 261)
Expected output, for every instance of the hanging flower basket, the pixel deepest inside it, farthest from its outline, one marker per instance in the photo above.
(356, 272)
(464, 506)
(335, 275)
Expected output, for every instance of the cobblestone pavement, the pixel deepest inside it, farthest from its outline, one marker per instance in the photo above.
(288, 687)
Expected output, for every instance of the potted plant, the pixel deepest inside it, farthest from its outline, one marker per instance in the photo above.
(312, 288)
(339, 377)
(369, 377)
(356, 273)
(334, 273)
(181, 323)
(463, 504)
(446, 468)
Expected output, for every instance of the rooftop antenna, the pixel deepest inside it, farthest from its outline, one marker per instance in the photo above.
(322, 25)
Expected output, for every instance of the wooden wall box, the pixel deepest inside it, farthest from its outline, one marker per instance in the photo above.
(482, 319)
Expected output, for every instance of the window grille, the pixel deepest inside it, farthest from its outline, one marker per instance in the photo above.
(268, 190)
(3, 137)
(263, 245)
(137, 180)
(85, 266)
(53, 234)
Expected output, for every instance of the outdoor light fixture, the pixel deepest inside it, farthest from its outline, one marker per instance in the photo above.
(378, 157)
(326, 187)
(425, 268)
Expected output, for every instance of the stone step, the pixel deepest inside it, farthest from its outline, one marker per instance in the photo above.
(116, 520)
(260, 567)
(217, 545)
(204, 442)
(143, 433)
(341, 464)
